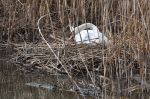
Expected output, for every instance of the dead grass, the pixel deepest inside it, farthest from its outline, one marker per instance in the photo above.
(125, 22)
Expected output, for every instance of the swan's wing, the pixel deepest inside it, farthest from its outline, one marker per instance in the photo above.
(84, 36)
(90, 36)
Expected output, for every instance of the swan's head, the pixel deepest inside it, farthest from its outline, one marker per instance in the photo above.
(71, 27)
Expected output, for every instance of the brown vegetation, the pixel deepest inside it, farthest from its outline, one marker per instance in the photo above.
(125, 22)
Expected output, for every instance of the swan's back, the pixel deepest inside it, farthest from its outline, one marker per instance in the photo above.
(85, 26)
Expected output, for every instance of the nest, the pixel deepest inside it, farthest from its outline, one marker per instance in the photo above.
(73, 57)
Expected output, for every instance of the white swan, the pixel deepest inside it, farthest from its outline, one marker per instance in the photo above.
(88, 33)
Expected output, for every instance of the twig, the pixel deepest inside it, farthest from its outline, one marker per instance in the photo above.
(54, 52)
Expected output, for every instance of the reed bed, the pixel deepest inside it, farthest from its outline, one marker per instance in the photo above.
(125, 22)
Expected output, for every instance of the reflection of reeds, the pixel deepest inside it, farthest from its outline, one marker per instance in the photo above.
(125, 22)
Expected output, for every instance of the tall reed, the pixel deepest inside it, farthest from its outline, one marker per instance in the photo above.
(125, 22)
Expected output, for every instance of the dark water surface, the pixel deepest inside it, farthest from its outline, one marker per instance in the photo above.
(13, 85)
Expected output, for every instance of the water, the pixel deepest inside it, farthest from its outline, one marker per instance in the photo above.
(15, 84)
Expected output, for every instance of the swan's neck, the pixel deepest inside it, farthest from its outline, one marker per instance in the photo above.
(85, 26)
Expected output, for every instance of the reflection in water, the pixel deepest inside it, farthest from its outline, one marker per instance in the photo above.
(12, 85)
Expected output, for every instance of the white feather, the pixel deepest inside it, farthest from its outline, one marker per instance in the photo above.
(89, 33)
(89, 36)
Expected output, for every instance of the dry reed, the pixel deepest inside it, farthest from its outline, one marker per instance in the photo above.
(125, 22)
